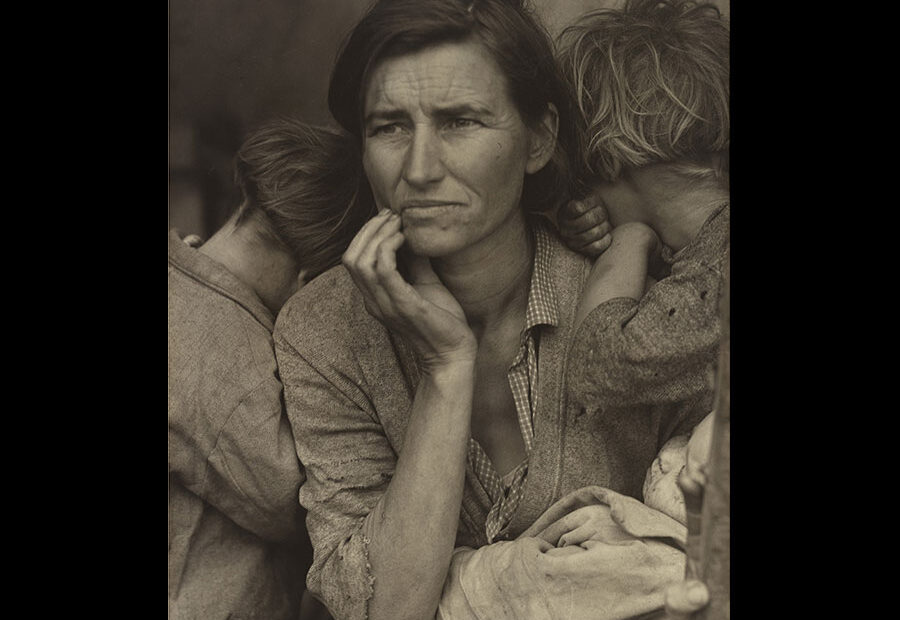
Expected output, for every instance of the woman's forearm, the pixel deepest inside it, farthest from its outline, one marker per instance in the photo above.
(412, 530)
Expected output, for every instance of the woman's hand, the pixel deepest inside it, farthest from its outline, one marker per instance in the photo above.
(422, 310)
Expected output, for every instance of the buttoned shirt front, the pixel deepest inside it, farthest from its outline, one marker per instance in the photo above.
(505, 492)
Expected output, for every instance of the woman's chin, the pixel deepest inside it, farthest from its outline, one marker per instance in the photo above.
(433, 244)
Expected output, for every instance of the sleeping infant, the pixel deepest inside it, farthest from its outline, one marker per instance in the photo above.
(661, 490)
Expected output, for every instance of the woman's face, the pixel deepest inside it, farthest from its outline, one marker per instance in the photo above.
(445, 147)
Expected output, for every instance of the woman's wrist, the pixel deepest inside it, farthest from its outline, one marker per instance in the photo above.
(451, 369)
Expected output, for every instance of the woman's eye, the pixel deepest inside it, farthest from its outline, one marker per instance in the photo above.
(386, 130)
(463, 123)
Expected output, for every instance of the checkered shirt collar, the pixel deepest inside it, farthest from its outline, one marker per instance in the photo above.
(542, 308)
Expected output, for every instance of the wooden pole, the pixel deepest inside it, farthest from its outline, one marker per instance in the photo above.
(709, 507)
(715, 532)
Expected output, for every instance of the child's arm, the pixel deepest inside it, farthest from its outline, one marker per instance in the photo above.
(621, 270)
(658, 347)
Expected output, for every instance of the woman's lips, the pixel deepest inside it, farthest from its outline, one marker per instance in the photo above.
(427, 209)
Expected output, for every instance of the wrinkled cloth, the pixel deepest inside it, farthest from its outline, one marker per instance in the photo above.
(662, 349)
(594, 555)
(349, 385)
(238, 546)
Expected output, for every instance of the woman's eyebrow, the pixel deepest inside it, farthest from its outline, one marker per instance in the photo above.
(463, 110)
(440, 112)
(385, 114)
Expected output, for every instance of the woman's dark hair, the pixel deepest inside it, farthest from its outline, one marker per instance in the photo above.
(305, 180)
(519, 44)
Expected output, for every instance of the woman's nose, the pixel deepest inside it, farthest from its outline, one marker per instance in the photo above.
(424, 164)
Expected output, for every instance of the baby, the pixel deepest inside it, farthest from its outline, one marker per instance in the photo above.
(682, 452)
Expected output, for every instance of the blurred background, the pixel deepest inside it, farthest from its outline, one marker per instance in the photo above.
(236, 63)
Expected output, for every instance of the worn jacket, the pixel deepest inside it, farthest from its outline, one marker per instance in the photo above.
(665, 347)
(237, 541)
(349, 386)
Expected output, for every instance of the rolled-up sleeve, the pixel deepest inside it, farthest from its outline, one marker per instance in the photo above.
(349, 463)
(659, 350)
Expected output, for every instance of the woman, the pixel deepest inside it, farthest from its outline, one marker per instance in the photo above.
(424, 385)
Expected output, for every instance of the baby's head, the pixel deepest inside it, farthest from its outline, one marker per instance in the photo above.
(652, 83)
(661, 490)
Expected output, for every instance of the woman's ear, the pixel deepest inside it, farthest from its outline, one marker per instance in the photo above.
(542, 140)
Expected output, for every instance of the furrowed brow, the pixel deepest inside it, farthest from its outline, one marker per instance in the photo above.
(386, 115)
(463, 110)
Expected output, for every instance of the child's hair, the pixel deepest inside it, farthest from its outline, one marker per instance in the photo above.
(308, 182)
(652, 83)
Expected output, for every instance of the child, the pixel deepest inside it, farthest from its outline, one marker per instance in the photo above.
(238, 545)
(652, 83)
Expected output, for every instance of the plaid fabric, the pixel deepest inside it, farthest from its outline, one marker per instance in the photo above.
(542, 309)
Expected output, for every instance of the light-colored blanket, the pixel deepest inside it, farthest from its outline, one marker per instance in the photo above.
(593, 555)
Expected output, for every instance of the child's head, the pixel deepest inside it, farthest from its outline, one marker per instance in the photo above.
(306, 181)
(652, 82)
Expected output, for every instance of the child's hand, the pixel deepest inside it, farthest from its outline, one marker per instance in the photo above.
(584, 226)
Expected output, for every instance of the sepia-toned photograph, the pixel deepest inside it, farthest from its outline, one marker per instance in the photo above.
(449, 309)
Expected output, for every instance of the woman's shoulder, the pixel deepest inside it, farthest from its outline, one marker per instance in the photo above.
(327, 298)
(327, 311)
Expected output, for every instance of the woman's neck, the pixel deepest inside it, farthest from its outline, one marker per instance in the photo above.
(491, 279)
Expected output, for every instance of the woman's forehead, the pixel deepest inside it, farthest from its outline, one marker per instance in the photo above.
(446, 75)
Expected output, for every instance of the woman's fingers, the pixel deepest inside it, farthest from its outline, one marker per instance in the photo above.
(576, 536)
(385, 251)
(376, 273)
(367, 257)
(362, 239)
(389, 287)
(564, 528)
(362, 256)
(421, 308)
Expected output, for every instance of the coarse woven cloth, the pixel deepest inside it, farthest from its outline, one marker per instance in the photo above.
(594, 554)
